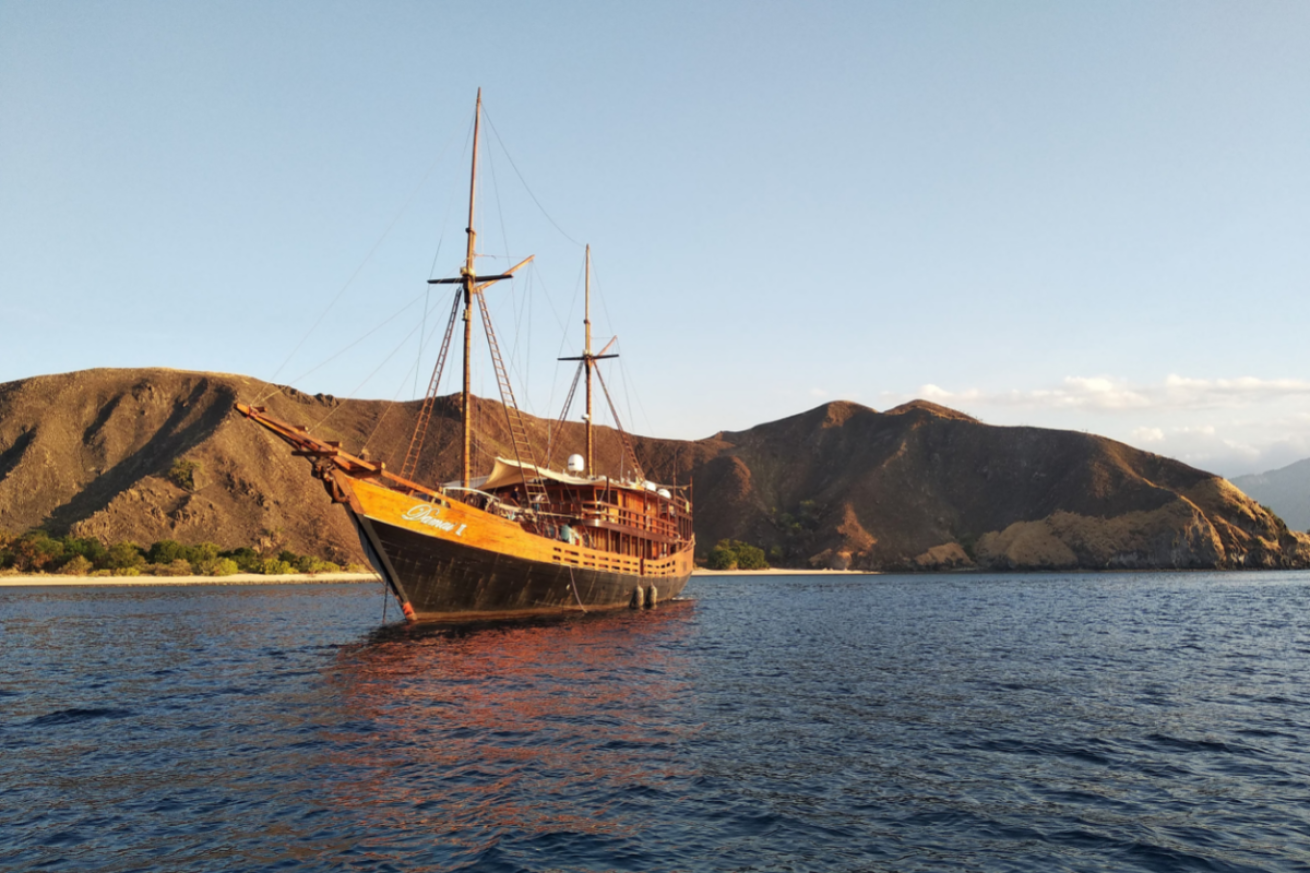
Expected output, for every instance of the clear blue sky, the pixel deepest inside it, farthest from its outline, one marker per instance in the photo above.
(1089, 216)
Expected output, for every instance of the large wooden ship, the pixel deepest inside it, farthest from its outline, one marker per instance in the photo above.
(521, 539)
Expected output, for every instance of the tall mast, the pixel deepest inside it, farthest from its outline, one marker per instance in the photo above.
(469, 275)
(471, 285)
(588, 360)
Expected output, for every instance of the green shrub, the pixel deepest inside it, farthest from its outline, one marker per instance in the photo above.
(6, 549)
(77, 566)
(750, 557)
(722, 558)
(165, 552)
(183, 474)
(246, 559)
(88, 547)
(969, 543)
(218, 567)
(359, 568)
(36, 552)
(804, 521)
(201, 553)
(736, 555)
(310, 564)
(123, 556)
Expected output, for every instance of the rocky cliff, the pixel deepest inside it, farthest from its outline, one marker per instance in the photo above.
(918, 487)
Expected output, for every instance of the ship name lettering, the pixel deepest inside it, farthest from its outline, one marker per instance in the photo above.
(426, 513)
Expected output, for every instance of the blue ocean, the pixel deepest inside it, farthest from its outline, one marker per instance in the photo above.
(1042, 722)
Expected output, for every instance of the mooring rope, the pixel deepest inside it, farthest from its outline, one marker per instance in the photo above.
(574, 585)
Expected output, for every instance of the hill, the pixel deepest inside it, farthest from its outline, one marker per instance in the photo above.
(916, 487)
(1286, 491)
(921, 486)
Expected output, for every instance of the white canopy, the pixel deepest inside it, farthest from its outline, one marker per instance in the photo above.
(507, 472)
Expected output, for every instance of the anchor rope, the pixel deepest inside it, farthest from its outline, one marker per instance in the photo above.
(573, 585)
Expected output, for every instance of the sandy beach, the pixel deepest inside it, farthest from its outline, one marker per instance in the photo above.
(779, 571)
(302, 578)
(235, 579)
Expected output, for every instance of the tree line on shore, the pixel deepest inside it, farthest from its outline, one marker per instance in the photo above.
(36, 551)
(736, 555)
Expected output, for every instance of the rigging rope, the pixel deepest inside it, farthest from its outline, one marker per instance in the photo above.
(403, 209)
(427, 304)
(395, 397)
(628, 391)
(553, 433)
(492, 125)
(369, 377)
(277, 389)
(623, 435)
(415, 450)
(564, 333)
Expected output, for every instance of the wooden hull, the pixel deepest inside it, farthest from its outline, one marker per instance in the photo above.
(446, 560)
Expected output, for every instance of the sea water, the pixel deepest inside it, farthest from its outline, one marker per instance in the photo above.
(963, 722)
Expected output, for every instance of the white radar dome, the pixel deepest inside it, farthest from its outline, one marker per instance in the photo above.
(577, 463)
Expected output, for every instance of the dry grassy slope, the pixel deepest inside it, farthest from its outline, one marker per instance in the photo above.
(920, 486)
(1286, 491)
(88, 452)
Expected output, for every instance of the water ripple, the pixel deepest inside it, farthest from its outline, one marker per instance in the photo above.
(1088, 722)
(77, 715)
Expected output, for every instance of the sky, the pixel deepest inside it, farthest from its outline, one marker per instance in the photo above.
(1082, 216)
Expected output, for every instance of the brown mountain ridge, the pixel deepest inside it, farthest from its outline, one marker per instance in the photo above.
(919, 487)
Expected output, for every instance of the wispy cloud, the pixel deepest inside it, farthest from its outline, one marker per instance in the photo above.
(1235, 449)
(1214, 393)
(1108, 394)
(1229, 426)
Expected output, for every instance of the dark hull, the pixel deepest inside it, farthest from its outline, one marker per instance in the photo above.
(442, 579)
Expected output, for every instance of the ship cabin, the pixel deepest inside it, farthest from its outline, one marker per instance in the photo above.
(634, 519)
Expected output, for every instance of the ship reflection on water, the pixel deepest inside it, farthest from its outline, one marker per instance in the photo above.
(521, 730)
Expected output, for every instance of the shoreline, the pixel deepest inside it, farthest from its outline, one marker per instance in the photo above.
(53, 581)
(40, 581)
(783, 571)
